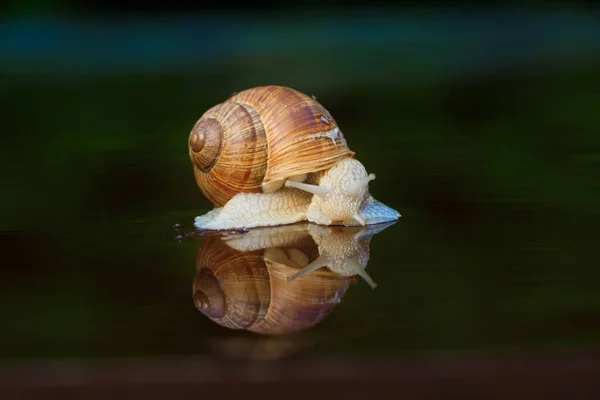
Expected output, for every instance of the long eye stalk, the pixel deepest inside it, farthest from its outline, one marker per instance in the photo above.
(314, 189)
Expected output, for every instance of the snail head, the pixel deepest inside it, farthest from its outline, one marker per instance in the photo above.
(340, 195)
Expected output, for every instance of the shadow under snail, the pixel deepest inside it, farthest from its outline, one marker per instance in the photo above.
(271, 280)
(271, 155)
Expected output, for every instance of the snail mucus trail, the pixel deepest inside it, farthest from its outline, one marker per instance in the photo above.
(270, 156)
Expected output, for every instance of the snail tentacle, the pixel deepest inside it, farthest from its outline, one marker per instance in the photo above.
(359, 219)
(355, 266)
(320, 262)
(314, 189)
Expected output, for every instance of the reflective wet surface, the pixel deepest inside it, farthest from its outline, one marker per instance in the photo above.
(506, 278)
(499, 303)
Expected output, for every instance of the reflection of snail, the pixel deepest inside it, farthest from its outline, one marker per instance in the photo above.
(272, 156)
(244, 281)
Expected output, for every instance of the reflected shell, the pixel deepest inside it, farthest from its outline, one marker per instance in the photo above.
(231, 288)
(250, 289)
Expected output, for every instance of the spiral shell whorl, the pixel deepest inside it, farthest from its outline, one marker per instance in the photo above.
(206, 140)
(230, 287)
(209, 297)
(233, 157)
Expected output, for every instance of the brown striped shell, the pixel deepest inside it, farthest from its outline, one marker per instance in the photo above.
(260, 137)
(248, 289)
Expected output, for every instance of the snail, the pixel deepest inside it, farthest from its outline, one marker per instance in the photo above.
(270, 280)
(271, 156)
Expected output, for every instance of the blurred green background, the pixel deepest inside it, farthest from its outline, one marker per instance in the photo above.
(481, 125)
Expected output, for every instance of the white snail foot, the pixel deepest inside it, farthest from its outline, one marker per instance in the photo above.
(249, 210)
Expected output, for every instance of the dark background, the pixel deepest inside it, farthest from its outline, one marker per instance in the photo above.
(481, 123)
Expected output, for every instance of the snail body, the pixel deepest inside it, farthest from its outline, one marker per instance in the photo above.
(272, 156)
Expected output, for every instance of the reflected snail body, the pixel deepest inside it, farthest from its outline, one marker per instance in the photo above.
(273, 280)
(249, 290)
(271, 156)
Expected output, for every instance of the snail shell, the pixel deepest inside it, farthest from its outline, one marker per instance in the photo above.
(260, 137)
(249, 289)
